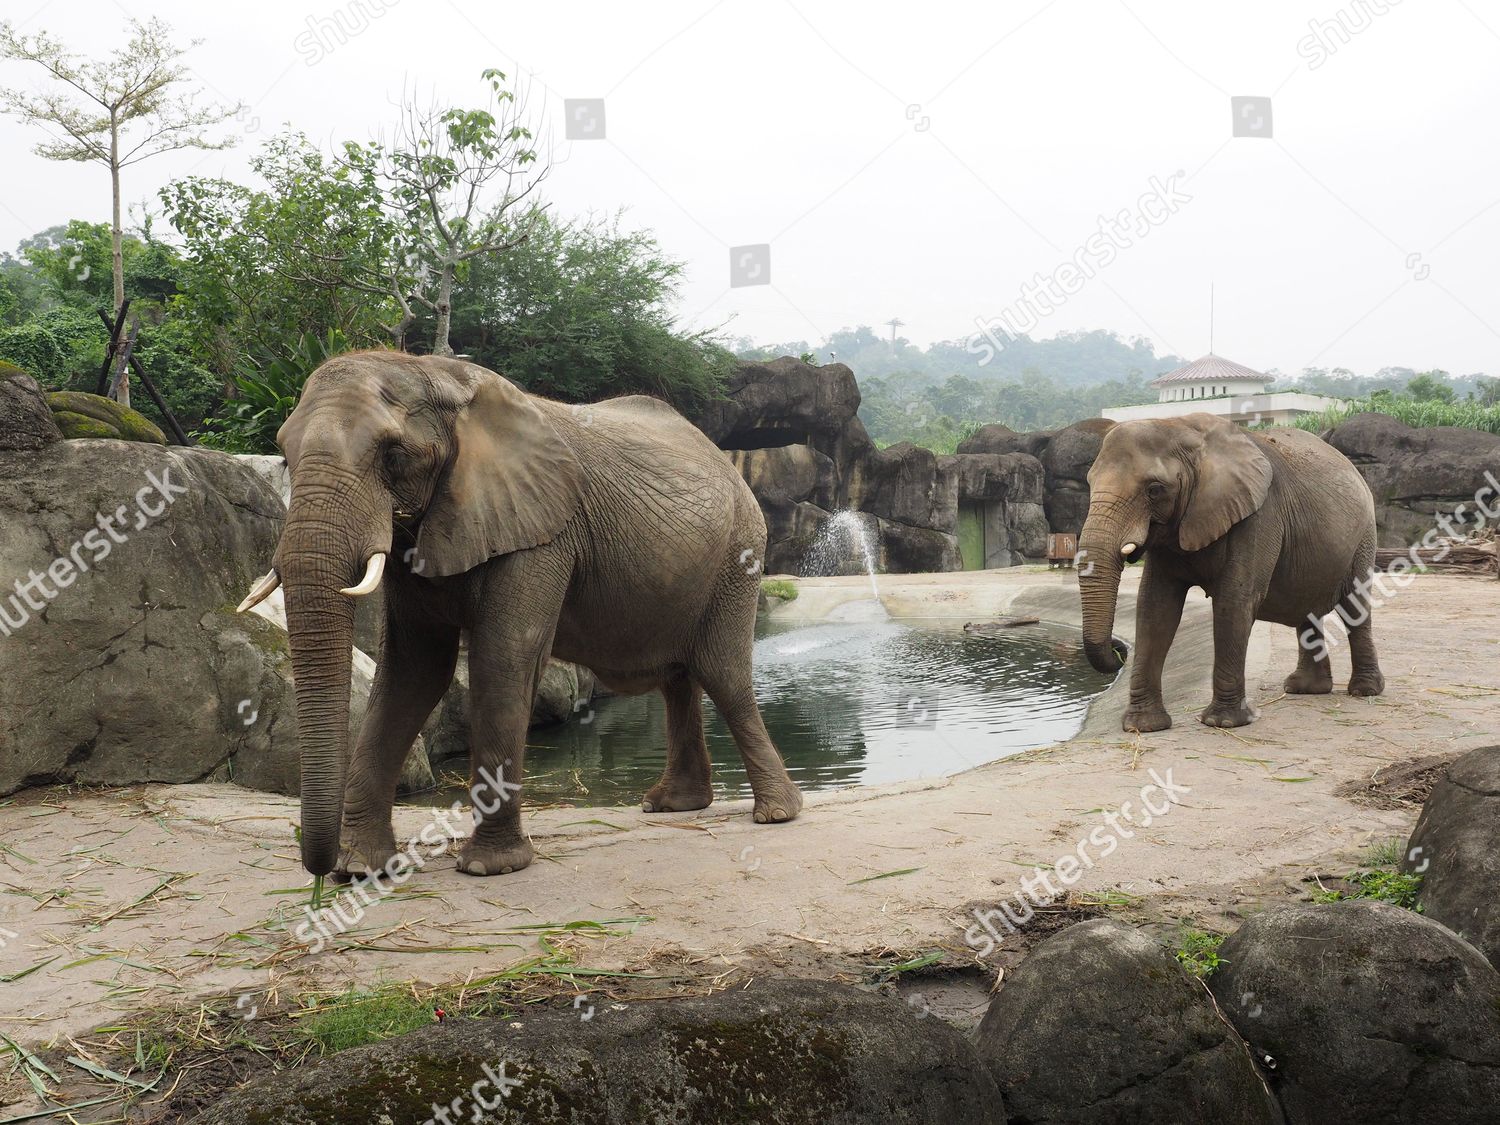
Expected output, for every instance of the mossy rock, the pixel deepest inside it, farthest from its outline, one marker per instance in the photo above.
(74, 425)
(82, 415)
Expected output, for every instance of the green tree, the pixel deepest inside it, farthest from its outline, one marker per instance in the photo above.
(312, 250)
(115, 112)
(1431, 386)
(460, 182)
(579, 311)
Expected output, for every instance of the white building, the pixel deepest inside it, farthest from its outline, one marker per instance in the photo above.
(1214, 385)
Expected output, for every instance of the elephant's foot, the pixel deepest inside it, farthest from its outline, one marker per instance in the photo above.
(1144, 720)
(676, 795)
(779, 801)
(476, 858)
(1310, 681)
(363, 850)
(1240, 714)
(1367, 683)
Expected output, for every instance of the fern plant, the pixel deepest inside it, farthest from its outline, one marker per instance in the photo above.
(268, 390)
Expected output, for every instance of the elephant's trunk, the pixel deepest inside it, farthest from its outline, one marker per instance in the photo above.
(320, 622)
(329, 538)
(1112, 530)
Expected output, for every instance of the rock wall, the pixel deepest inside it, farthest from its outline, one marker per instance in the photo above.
(793, 431)
(1065, 456)
(1417, 474)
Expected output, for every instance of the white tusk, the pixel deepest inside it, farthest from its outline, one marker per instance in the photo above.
(373, 570)
(1128, 549)
(262, 590)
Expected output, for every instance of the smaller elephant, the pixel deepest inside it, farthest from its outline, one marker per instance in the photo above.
(1274, 526)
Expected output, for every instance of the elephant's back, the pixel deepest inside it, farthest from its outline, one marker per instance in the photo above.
(1317, 473)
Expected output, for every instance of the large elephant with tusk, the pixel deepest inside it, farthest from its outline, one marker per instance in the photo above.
(614, 535)
(1273, 526)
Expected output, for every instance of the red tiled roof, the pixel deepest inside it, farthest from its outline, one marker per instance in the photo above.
(1210, 369)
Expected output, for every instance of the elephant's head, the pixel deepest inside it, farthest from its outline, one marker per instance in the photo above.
(1175, 484)
(387, 447)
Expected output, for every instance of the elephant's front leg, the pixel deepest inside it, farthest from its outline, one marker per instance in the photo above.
(508, 649)
(416, 667)
(1158, 612)
(1233, 619)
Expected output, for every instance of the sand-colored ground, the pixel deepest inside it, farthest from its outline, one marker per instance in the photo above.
(168, 895)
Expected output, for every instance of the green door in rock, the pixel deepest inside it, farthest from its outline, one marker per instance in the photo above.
(971, 536)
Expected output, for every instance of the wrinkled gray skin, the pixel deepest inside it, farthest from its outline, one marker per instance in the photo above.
(1273, 525)
(614, 535)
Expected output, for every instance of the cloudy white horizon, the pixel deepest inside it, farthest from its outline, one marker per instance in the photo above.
(931, 164)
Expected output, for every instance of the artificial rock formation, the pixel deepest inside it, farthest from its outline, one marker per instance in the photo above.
(1455, 848)
(26, 420)
(1417, 474)
(1372, 1015)
(122, 658)
(782, 1051)
(792, 429)
(1066, 456)
(1100, 1025)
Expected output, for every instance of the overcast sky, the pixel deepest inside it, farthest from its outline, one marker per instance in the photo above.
(928, 161)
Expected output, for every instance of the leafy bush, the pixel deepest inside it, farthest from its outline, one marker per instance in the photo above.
(33, 347)
(779, 588)
(268, 393)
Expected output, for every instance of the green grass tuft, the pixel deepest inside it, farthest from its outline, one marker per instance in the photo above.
(1385, 853)
(779, 588)
(1394, 887)
(1198, 952)
(359, 1017)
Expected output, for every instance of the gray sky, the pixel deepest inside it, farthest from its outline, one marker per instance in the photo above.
(928, 161)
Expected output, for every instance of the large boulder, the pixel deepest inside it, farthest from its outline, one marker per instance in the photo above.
(782, 1052)
(82, 415)
(904, 484)
(1067, 458)
(1373, 1015)
(787, 402)
(1100, 1026)
(25, 418)
(996, 438)
(121, 657)
(1417, 473)
(1456, 849)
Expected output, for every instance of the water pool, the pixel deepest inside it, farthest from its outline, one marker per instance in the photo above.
(850, 702)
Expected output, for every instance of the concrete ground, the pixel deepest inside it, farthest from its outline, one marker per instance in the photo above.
(124, 900)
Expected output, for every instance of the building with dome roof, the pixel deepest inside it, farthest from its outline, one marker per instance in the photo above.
(1215, 385)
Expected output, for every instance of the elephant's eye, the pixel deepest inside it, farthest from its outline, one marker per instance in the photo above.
(1156, 490)
(394, 460)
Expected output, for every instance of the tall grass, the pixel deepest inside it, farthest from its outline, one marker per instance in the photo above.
(1467, 415)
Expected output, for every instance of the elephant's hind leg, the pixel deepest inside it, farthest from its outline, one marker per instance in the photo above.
(777, 797)
(685, 784)
(1314, 674)
(1367, 678)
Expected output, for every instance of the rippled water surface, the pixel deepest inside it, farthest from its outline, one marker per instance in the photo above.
(847, 702)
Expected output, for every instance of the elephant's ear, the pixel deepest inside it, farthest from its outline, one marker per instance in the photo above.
(513, 482)
(1233, 479)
